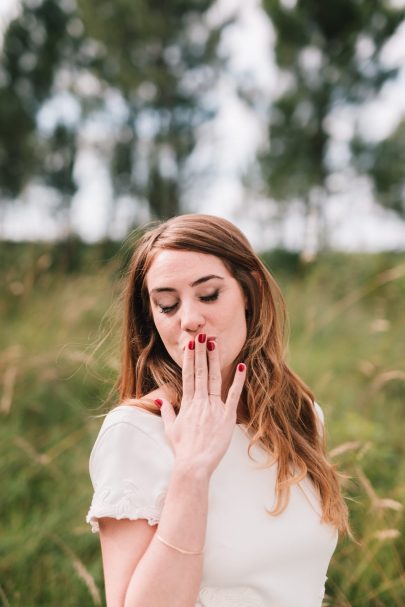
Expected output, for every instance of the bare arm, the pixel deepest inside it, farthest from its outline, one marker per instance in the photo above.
(139, 570)
(164, 572)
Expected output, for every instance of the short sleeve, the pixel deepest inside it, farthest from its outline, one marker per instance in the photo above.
(130, 471)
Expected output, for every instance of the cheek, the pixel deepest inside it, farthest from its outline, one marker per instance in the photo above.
(234, 326)
(241, 333)
(240, 326)
(163, 326)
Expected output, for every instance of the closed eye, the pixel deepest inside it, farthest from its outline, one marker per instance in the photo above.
(206, 298)
(167, 309)
(211, 297)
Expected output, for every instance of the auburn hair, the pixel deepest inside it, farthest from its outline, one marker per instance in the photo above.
(279, 411)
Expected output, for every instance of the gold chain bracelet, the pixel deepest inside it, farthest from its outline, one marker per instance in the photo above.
(176, 547)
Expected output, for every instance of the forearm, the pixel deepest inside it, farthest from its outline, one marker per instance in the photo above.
(163, 574)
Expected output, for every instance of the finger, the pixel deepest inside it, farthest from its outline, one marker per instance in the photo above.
(167, 412)
(236, 388)
(214, 370)
(200, 365)
(187, 372)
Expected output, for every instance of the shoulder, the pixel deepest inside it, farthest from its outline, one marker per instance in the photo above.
(319, 412)
(126, 418)
(146, 403)
(142, 414)
(128, 433)
(320, 418)
(129, 428)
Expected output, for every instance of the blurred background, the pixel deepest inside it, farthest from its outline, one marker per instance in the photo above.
(286, 117)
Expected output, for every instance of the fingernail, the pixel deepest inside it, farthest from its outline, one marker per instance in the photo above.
(159, 402)
(241, 367)
(210, 345)
(191, 345)
(202, 337)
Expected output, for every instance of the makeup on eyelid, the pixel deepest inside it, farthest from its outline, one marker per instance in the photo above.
(204, 298)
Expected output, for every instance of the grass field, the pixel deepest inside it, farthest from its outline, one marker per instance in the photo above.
(347, 341)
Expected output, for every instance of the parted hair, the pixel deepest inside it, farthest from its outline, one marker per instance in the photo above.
(278, 407)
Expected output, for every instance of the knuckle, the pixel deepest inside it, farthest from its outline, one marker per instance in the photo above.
(214, 377)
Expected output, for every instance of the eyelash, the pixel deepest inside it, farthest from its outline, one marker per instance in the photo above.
(206, 298)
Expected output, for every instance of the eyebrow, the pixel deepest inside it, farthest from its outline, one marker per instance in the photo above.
(197, 282)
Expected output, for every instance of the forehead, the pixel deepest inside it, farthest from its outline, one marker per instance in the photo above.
(170, 266)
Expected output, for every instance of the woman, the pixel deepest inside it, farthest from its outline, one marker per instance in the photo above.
(212, 487)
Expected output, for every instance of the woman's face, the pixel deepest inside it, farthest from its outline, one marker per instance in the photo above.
(192, 293)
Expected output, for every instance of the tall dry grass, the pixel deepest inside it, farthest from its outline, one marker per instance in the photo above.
(347, 341)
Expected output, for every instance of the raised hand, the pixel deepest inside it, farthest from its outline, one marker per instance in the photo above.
(201, 432)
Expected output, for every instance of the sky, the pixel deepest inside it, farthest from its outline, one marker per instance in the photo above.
(354, 221)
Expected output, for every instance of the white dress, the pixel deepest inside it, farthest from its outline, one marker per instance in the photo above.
(252, 559)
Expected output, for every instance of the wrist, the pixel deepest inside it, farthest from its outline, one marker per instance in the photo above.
(191, 472)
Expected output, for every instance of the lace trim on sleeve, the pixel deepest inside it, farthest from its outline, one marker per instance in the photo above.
(132, 504)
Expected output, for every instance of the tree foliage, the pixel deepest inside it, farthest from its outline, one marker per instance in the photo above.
(329, 54)
(157, 59)
(157, 62)
(35, 46)
(385, 162)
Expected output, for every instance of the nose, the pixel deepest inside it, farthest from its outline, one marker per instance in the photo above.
(192, 319)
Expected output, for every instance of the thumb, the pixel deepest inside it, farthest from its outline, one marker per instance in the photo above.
(167, 411)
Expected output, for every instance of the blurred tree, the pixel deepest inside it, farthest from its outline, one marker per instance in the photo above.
(35, 46)
(162, 58)
(329, 57)
(138, 69)
(385, 162)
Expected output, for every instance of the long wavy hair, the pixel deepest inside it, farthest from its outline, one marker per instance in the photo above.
(278, 406)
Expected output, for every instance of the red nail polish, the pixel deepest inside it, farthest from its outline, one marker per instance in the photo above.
(159, 402)
(191, 345)
(210, 345)
(241, 367)
(202, 337)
